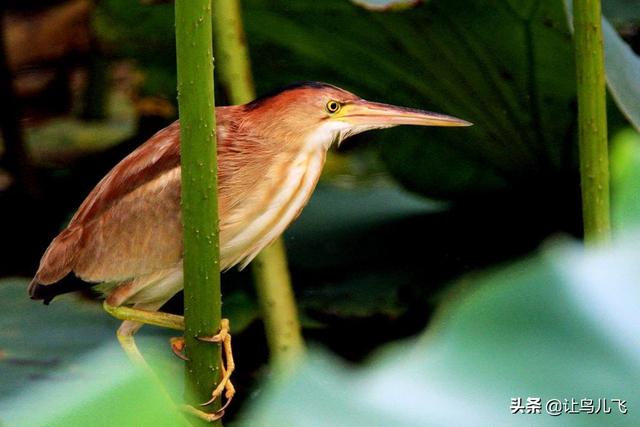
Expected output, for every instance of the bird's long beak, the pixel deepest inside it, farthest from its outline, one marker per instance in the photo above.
(367, 113)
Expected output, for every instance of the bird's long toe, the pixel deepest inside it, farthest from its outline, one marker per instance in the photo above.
(206, 416)
(225, 385)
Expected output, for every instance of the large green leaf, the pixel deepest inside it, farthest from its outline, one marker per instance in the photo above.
(61, 365)
(506, 66)
(101, 389)
(561, 326)
(40, 344)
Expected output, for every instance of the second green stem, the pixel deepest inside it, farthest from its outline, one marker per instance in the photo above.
(270, 271)
(592, 120)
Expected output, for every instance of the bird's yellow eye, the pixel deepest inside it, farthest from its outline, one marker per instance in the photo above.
(333, 106)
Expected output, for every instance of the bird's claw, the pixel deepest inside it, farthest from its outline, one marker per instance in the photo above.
(227, 368)
(177, 346)
(223, 337)
(220, 336)
(206, 416)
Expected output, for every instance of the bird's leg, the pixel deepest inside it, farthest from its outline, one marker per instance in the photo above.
(223, 337)
(134, 318)
(137, 316)
(125, 334)
(157, 318)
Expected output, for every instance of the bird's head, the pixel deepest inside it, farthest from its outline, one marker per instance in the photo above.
(319, 114)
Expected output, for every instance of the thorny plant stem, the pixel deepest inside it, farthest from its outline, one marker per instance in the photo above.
(592, 120)
(202, 296)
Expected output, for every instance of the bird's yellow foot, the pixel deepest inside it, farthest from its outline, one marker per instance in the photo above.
(225, 385)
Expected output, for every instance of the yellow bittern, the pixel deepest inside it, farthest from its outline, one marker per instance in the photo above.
(126, 237)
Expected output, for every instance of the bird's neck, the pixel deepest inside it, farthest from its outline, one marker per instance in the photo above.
(274, 202)
(325, 135)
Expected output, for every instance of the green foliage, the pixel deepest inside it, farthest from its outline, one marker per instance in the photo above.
(560, 325)
(504, 66)
(101, 390)
(61, 366)
(38, 340)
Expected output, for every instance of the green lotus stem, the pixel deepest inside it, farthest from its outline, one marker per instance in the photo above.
(234, 69)
(277, 300)
(202, 298)
(271, 274)
(592, 120)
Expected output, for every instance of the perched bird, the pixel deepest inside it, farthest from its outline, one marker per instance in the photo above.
(126, 237)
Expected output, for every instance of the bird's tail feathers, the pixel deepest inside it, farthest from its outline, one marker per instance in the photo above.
(56, 264)
(46, 293)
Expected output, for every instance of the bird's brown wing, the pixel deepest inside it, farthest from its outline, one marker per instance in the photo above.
(129, 224)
